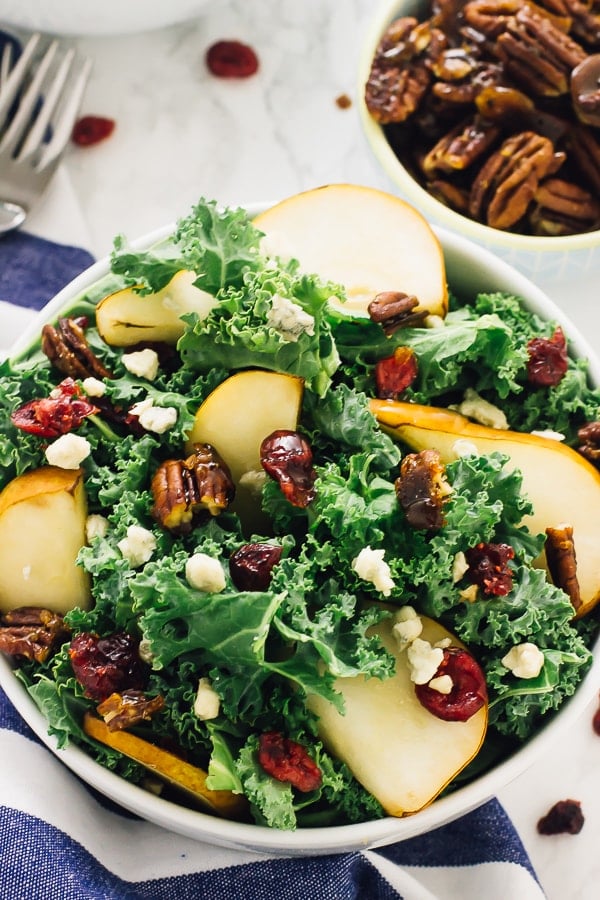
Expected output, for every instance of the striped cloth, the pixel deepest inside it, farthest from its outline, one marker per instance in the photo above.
(60, 840)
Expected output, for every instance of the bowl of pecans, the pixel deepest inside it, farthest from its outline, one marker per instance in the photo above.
(486, 116)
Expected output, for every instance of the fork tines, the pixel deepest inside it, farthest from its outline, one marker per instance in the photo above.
(39, 99)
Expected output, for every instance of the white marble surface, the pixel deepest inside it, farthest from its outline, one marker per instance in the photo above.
(182, 134)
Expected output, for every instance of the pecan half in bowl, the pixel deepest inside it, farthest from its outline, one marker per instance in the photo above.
(485, 115)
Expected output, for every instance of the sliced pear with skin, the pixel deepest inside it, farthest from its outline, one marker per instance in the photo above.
(127, 317)
(365, 239)
(237, 416)
(180, 774)
(562, 485)
(42, 529)
(398, 750)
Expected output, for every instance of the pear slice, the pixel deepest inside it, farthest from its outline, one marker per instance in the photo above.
(183, 776)
(398, 750)
(562, 485)
(367, 240)
(236, 417)
(126, 317)
(42, 529)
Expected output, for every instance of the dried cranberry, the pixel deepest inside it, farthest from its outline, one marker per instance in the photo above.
(488, 567)
(61, 412)
(251, 566)
(469, 691)
(288, 761)
(286, 456)
(231, 59)
(565, 817)
(107, 665)
(548, 360)
(91, 130)
(395, 373)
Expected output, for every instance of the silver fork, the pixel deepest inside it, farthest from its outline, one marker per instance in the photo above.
(40, 97)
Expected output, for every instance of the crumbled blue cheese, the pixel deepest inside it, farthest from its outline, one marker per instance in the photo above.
(94, 387)
(143, 363)
(423, 660)
(371, 566)
(469, 595)
(407, 626)
(524, 660)
(443, 684)
(288, 319)
(138, 545)
(459, 566)
(204, 573)
(475, 407)
(207, 703)
(95, 526)
(68, 451)
(254, 481)
(462, 448)
(434, 321)
(154, 418)
(144, 651)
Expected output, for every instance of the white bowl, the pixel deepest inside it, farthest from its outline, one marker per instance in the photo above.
(470, 269)
(553, 258)
(97, 17)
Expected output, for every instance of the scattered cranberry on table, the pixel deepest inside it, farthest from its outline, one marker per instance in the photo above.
(565, 817)
(231, 59)
(91, 130)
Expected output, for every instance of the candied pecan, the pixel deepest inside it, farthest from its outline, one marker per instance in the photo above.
(537, 54)
(422, 489)
(584, 150)
(483, 75)
(461, 147)
(562, 561)
(585, 90)
(589, 437)
(288, 761)
(585, 21)
(488, 567)
(562, 207)
(506, 183)
(565, 817)
(450, 195)
(548, 360)
(468, 692)
(182, 488)
(498, 103)
(491, 17)
(394, 309)
(395, 373)
(67, 348)
(122, 710)
(287, 457)
(31, 632)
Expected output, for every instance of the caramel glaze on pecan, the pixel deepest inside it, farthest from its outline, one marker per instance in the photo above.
(562, 561)
(506, 183)
(394, 309)
(183, 488)
(562, 207)
(589, 442)
(31, 632)
(461, 147)
(121, 711)
(67, 348)
(422, 489)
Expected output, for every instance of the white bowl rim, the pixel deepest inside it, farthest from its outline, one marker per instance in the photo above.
(331, 839)
(414, 192)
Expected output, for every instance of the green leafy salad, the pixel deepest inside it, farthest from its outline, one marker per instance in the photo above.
(229, 667)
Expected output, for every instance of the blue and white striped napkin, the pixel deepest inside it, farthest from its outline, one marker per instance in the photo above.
(59, 840)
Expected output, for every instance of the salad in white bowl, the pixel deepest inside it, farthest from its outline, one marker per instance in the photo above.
(303, 552)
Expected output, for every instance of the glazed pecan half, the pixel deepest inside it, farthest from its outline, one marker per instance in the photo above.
(67, 348)
(537, 54)
(121, 711)
(506, 183)
(585, 151)
(31, 632)
(461, 147)
(585, 18)
(562, 561)
(394, 309)
(589, 442)
(182, 488)
(562, 207)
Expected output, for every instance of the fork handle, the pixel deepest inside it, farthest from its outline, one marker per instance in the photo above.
(11, 216)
